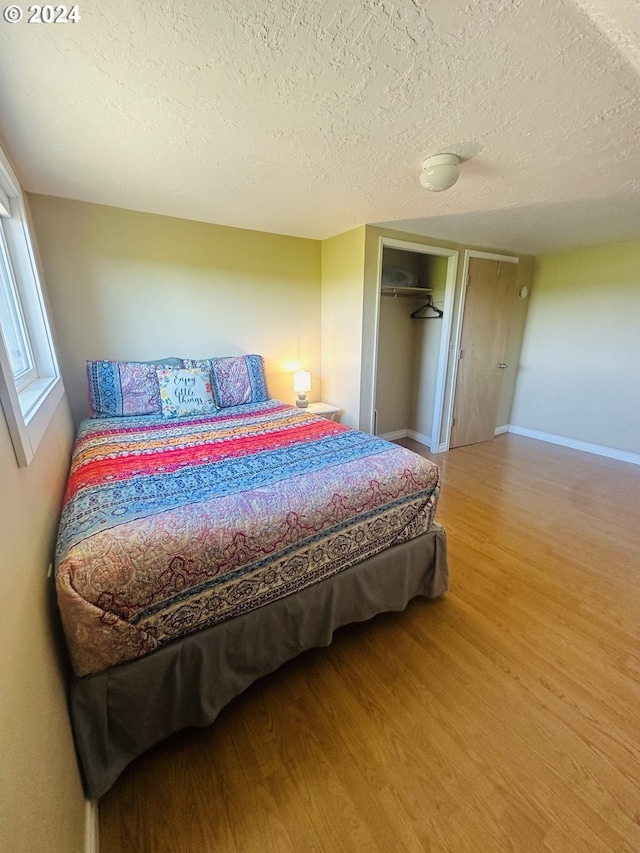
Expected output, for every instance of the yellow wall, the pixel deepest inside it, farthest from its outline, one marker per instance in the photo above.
(342, 293)
(41, 801)
(579, 373)
(133, 286)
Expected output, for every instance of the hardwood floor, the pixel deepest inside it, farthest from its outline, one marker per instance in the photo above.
(503, 717)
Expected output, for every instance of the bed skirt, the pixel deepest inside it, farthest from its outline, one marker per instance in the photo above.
(121, 712)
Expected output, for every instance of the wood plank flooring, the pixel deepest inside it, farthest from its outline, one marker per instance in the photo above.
(503, 717)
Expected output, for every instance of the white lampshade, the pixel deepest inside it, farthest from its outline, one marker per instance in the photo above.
(301, 381)
(440, 172)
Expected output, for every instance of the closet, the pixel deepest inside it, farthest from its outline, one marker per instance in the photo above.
(410, 328)
(409, 355)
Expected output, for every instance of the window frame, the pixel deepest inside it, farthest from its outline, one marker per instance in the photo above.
(28, 405)
(28, 375)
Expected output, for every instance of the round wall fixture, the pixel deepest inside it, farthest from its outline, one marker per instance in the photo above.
(523, 292)
(440, 172)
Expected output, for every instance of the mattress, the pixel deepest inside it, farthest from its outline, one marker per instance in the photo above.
(170, 527)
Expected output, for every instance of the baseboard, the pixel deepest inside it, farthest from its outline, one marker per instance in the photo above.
(407, 433)
(418, 436)
(501, 429)
(91, 827)
(392, 436)
(575, 444)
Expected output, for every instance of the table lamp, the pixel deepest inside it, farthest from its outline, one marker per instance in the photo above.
(302, 384)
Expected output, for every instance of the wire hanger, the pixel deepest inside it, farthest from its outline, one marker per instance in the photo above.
(418, 315)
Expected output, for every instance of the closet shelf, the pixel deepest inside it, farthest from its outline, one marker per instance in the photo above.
(406, 291)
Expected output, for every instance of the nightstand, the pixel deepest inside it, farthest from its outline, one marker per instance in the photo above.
(323, 409)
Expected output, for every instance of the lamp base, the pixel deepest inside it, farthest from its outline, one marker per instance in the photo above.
(302, 401)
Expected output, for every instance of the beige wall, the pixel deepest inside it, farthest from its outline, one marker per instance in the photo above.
(579, 373)
(41, 800)
(138, 286)
(342, 289)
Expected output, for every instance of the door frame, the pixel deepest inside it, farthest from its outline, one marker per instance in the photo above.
(443, 354)
(457, 329)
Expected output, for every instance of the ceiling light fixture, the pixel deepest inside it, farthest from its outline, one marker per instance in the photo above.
(440, 172)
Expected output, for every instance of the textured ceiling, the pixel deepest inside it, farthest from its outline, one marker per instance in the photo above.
(310, 118)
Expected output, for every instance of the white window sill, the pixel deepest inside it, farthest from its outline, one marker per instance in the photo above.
(29, 413)
(33, 395)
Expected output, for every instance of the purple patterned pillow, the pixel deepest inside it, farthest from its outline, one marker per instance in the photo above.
(236, 380)
(124, 388)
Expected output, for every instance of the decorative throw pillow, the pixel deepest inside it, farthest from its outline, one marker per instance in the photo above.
(124, 388)
(236, 380)
(184, 391)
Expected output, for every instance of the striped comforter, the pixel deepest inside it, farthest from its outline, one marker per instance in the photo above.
(171, 526)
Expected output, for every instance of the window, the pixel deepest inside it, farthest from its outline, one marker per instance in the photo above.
(12, 322)
(30, 384)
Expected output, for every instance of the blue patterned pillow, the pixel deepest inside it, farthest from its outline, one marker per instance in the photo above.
(236, 380)
(125, 388)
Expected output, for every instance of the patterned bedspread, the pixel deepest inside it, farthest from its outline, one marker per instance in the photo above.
(171, 526)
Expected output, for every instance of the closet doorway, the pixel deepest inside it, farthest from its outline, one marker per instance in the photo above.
(416, 293)
(489, 293)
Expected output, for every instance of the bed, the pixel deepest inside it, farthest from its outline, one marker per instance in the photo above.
(199, 552)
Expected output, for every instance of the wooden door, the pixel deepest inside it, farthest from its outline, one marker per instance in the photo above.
(491, 291)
